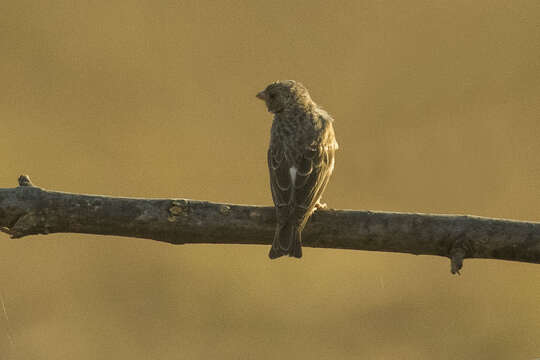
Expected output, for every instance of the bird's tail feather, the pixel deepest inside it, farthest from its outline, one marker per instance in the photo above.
(287, 241)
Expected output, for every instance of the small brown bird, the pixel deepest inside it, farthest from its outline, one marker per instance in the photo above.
(300, 160)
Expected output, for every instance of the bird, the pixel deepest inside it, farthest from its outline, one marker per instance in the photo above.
(300, 161)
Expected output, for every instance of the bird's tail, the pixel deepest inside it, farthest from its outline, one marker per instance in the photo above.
(287, 241)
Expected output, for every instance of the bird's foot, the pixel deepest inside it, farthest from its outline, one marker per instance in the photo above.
(320, 205)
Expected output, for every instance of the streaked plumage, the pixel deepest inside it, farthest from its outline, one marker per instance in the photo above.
(300, 160)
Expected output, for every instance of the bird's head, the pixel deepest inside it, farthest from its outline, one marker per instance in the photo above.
(281, 95)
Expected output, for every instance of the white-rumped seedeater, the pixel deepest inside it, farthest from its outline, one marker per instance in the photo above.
(300, 160)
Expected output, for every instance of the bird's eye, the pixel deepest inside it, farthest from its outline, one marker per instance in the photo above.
(272, 96)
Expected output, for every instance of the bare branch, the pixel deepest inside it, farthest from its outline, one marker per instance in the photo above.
(28, 210)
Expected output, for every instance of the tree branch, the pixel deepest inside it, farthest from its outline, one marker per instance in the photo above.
(28, 210)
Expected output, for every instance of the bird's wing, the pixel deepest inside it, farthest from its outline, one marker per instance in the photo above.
(314, 166)
(280, 180)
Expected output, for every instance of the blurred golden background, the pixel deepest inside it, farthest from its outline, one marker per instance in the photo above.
(437, 109)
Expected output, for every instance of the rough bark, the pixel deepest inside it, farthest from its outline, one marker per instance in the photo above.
(27, 210)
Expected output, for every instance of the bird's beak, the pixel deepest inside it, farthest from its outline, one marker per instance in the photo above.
(261, 95)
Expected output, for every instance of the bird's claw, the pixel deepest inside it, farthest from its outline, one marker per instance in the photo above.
(320, 206)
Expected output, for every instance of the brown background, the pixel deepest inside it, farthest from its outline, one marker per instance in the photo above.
(437, 110)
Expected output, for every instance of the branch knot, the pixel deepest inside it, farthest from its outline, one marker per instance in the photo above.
(24, 180)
